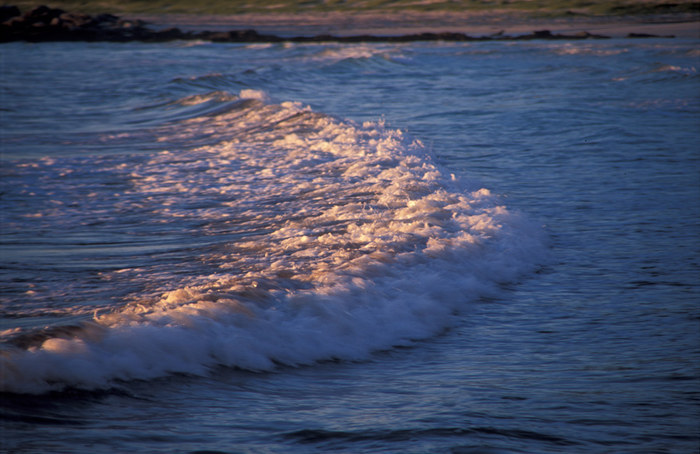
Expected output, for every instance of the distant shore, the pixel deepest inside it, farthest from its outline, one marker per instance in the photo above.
(469, 23)
(54, 24)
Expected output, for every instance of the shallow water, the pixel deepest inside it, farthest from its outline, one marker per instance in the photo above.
(435, 247)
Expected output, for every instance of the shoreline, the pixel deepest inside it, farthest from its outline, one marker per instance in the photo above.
(469, 23)
(52, 24)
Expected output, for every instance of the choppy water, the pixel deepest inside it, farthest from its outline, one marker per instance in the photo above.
(436, 247)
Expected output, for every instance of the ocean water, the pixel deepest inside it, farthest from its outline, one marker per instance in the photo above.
(415, 248)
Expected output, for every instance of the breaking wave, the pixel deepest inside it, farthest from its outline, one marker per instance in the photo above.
(312, 238)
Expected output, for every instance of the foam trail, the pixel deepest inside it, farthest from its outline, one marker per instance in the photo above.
(355, 240)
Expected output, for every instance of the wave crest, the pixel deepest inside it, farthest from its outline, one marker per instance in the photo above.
(355, 240)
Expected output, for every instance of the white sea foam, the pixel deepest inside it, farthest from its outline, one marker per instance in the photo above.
(356, 241)
(587, 49)
(334, 54)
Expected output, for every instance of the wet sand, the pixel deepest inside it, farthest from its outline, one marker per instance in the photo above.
(470, 23)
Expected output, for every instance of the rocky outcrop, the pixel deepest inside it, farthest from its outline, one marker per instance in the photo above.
(53, 24)
(8, 12)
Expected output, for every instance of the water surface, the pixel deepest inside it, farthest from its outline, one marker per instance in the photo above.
(426, 247)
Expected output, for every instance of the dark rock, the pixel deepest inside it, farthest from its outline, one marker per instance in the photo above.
(548, 35)
(647, 35)
(8, 12)
(244, 35)
(355, 39)
(75, 20)
(586, 35)
(447, 36)
(42, 14)
(322, 38)
(108, 18)
(542, 34)
(214, 36)
(11, 29)
(131, 23)
(17, 21)
(53, 24)
(170, 34)
(237, 36)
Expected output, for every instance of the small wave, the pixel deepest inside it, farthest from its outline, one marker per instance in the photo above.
(359, 53)
(685, 70)
(260, 46)
(216, 96)
(656, 73)
(212, 81)
(34, 420)
(582, 49)
(191, 43)
(662, 103)
(344, 53)
(198, 106)
(357, 241)
(309, 436)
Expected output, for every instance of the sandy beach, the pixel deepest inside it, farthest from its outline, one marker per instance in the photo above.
(471, 23)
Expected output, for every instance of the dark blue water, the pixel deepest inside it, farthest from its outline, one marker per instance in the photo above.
(588, 343)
